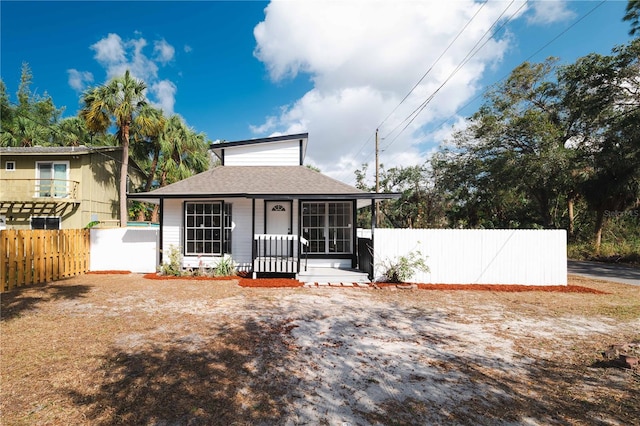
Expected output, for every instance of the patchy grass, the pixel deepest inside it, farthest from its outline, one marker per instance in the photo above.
(121, 349)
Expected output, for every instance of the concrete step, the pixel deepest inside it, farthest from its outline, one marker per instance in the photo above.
(332, 275)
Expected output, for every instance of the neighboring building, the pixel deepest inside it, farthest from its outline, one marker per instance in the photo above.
(61, 187)
(262, 207)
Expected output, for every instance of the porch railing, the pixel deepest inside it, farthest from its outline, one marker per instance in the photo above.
(29, 189)
(279, 253)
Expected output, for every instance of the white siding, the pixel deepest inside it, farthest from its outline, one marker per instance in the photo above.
(526, 257)
(242, 239)
(171, 224)
(282, 153)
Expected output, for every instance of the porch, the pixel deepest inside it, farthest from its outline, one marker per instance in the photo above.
(288, 254)
(279, 254)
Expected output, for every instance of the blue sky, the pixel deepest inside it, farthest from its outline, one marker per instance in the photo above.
(337, 69)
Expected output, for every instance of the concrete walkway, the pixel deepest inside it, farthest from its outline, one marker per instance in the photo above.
(605, 271)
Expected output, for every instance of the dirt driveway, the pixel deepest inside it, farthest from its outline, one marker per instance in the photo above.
(121, 349)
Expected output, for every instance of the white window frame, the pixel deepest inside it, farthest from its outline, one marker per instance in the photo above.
(54, 189)
(10, 169)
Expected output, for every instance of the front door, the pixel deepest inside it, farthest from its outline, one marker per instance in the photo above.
(278, 222)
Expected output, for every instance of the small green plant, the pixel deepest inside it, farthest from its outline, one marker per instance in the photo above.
(226, 267)
(92, 224)
(174, 265)
(401, 268)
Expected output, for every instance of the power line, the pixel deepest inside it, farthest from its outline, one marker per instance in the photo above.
(481, 94)
(434, 64)
(474, 50)
(366, 143)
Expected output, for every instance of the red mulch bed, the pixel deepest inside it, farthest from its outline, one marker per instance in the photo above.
(270, 282)
(109, 272)
(504, 288)
(154, 276)
(290, 283)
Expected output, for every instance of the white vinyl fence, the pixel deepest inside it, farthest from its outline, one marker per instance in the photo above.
(469, 256)
(124, 249)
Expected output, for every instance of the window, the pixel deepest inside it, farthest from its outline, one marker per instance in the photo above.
(45, 223)
(10, 166)
(328, 227)
(52, 179)
(208, 227)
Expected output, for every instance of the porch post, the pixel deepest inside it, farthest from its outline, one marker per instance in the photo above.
(253, 233)
(160, 231)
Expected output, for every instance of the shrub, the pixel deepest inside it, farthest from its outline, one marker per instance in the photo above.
(226, 267)
(401, 268)
(174, 265)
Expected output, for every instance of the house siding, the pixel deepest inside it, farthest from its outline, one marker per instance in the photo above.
(97, 196)
(285, 153)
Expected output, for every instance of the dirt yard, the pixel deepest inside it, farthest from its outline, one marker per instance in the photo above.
(122, 349)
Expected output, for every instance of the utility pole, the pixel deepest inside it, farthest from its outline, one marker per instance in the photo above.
(377, 181)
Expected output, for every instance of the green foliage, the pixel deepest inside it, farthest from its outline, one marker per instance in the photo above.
(402, 268)
(420, 204)
(226, 267)
(32, 120)
(174, 264)
(92, 224)
(633, 16)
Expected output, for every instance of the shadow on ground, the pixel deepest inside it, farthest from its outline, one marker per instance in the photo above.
(22, 300)
(178, 383)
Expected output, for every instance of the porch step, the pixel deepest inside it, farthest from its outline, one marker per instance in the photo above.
(332, 276)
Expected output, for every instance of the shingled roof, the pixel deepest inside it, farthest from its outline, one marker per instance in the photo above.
(256, 181)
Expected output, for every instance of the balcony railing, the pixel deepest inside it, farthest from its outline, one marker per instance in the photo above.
(29, 190)
(275, 253)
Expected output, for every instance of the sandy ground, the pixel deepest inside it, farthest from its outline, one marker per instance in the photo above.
(124, 350)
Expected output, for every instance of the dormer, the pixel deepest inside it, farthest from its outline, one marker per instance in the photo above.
(287, 150)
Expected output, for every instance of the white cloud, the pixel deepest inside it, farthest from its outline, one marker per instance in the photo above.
(363, 57)
(109, 49)
(550, 11)
(165, 92)
(78, 80)
(117, 56)
(164, 51)
(187, 48)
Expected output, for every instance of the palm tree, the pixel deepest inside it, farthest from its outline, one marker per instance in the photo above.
(181, 153)
(119, 102)
(72, 131)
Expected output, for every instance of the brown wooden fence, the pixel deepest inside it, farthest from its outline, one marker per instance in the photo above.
(36, 256)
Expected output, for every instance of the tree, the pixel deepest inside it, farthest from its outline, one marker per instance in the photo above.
(119, 102)
(31, 121)
(510, 167)
(633, 16)
(72, 131)
(603, 99)
(419, 206)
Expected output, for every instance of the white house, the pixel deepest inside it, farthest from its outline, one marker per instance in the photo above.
(263, 207)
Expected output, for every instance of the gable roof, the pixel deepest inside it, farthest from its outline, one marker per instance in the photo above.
(259, 182)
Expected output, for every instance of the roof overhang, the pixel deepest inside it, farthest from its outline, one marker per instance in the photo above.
(361, 197)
